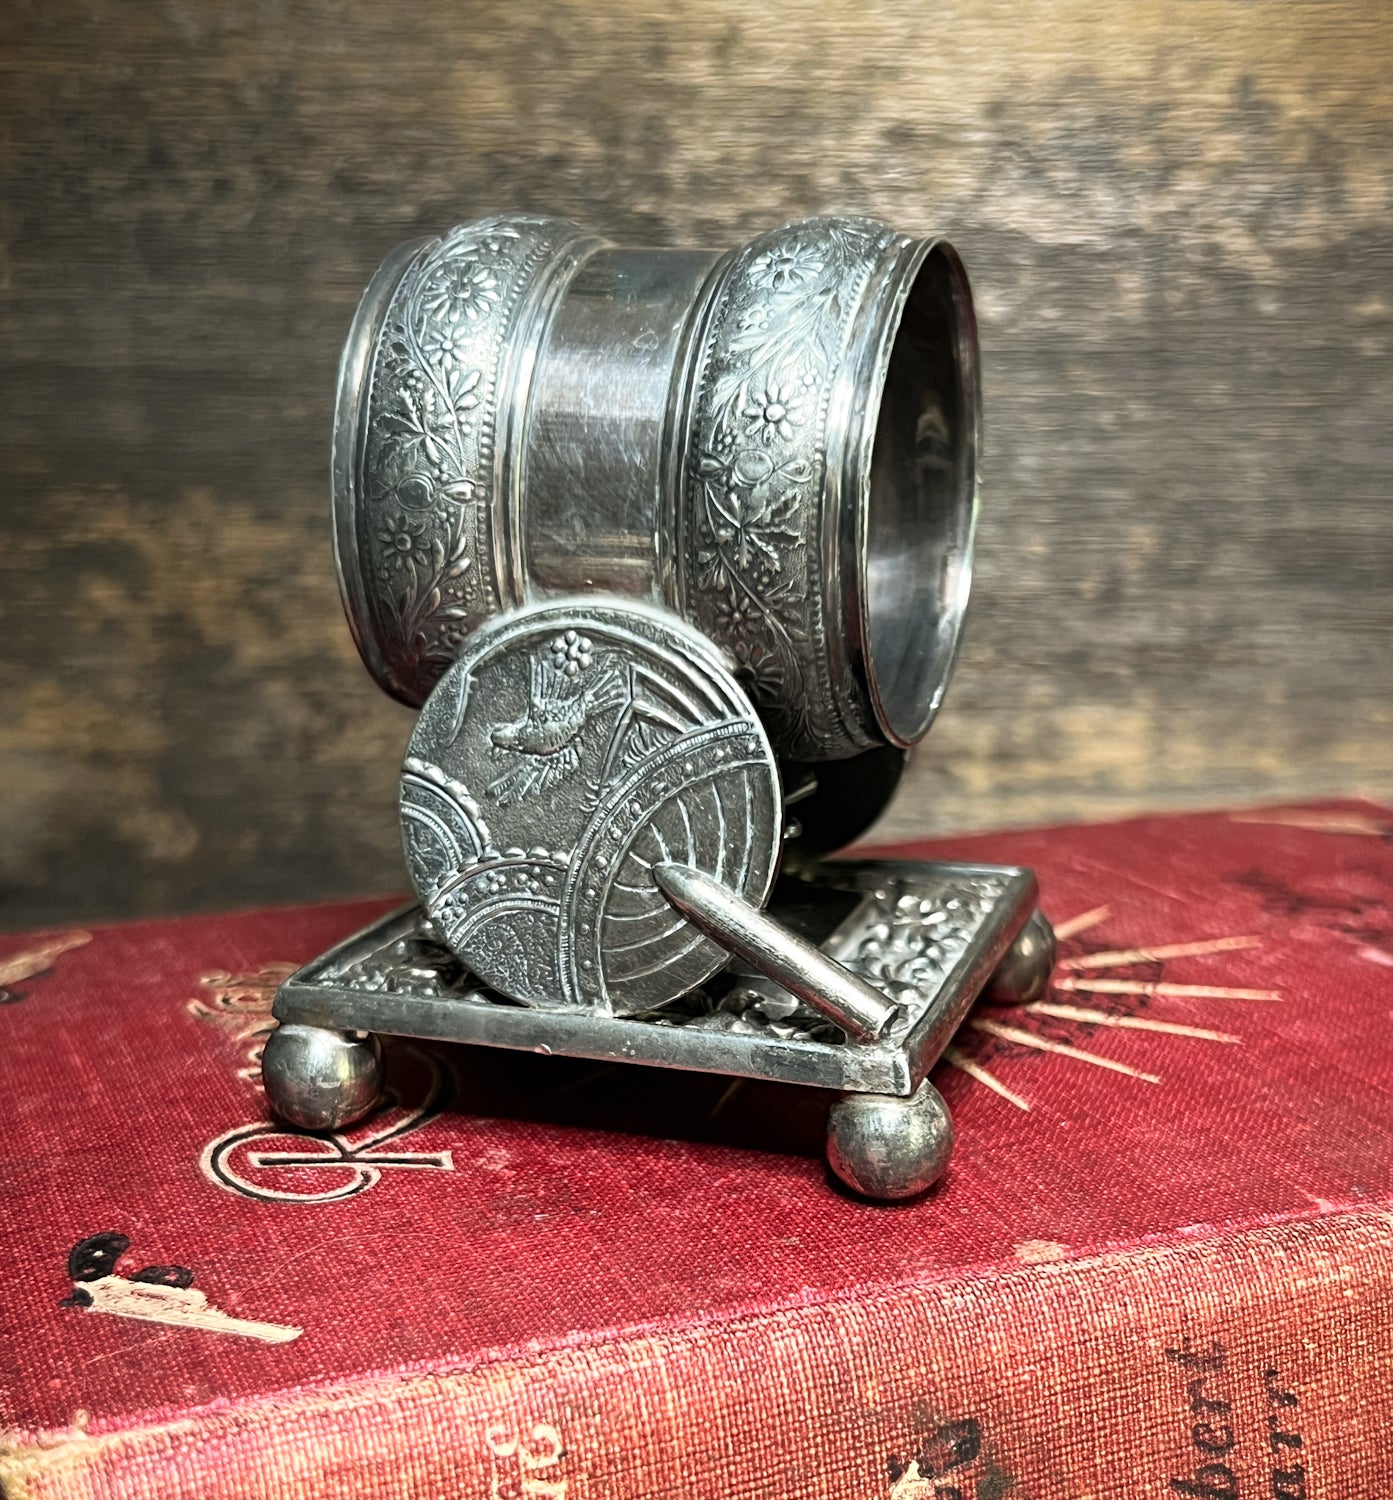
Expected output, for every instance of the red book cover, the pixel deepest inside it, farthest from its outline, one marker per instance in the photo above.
(1159, 1263)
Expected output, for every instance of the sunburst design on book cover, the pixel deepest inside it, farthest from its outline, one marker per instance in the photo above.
(1123, 984)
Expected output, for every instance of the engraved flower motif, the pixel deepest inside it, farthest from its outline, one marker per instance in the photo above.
(444, 345)
(773, 412)
(570, 653)
(757, 668)
(460, 289)
(404, 537)
(735, 612)
(787, 267)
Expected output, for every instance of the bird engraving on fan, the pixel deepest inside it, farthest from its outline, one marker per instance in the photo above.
(571, 748)
(543, 747)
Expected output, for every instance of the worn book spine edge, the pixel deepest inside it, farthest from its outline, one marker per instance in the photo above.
(1257, 1363)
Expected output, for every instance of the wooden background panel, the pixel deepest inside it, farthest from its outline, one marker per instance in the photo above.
(1177, 219)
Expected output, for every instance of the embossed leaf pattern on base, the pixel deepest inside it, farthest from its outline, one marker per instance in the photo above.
(756, 473)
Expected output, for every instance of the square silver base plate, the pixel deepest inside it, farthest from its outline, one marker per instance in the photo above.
(928, 934)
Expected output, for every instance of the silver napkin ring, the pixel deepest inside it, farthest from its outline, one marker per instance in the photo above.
(779, 443)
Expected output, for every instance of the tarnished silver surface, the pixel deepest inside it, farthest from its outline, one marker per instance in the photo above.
(829, 480)
(629, 524)
(569, 749)
(927, 935)
(425, 460)
(762, 942)
(1024, 972)
(321, 1079)
(778, 442)
(887, 1147)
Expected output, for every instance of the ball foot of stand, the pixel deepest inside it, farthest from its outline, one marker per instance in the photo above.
(1024, 973)
(320, 1079)
(890, 1148)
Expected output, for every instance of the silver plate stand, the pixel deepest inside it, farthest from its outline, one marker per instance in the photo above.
(930, 937)
(663, 544)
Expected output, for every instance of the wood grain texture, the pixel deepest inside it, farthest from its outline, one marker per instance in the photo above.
(1178, 224)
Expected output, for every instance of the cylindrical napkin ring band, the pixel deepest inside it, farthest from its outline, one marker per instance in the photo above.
(778, 442)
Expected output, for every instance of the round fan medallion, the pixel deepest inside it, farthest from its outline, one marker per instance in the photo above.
(570, 748)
